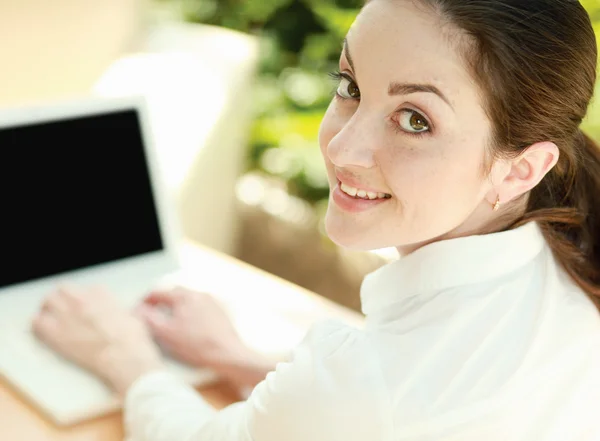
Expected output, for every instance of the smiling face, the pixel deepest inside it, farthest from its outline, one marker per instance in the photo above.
(408, 131)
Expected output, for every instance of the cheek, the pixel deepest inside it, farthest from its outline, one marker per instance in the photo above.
(430, 176)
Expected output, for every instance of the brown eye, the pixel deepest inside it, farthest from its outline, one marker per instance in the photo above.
(348, 89)
(417, 122)
(353, 90)
(413, 122)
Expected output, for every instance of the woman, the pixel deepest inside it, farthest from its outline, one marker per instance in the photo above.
(454, 136)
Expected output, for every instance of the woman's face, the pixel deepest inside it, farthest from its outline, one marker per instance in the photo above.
(406, 126)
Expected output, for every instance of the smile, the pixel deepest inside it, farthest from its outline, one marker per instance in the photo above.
(357, 200)
(362, 194)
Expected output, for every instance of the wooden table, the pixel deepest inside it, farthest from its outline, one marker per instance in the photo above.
(19, 421)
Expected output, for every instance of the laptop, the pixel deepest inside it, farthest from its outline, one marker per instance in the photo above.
(81, 202)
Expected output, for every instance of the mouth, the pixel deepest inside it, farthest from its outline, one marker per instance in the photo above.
(356, 200)
(358, 193)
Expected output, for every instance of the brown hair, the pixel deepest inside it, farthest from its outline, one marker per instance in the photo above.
(535, 62)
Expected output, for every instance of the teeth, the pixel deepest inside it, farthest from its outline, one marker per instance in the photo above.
(363, 194)
(349, 190)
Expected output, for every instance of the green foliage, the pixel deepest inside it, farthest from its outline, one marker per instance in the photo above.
(301, 41)
(592, 123)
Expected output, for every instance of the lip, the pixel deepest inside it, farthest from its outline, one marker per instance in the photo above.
(355, 184)
(353, 205)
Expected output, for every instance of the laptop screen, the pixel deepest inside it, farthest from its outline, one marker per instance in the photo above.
(74, 193)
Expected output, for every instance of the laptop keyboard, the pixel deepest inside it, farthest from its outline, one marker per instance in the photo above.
(22, 343)
(19, 343)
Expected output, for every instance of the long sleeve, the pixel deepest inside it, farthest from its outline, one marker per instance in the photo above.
(328, 391)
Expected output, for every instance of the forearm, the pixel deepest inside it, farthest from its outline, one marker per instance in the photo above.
(244, 369)
(159, 407)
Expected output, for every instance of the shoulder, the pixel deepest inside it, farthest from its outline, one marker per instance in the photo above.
(332, 389)
(567, 302)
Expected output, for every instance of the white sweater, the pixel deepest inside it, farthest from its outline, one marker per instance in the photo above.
(482, 338)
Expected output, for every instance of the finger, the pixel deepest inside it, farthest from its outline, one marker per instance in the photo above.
(144, 311)
(158, 323)
(56, 303)
(71, 294)
(68, 289)
(44, 326)
(162, 297)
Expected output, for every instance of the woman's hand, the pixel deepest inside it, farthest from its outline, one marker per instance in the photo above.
(190, 326)
(88, 327)
(194, 328)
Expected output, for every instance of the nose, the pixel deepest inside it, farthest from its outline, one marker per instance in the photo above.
(355, 144)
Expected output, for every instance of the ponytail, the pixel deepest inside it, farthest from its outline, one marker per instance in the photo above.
(566, 205)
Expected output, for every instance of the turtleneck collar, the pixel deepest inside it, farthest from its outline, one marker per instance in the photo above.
(449, 264)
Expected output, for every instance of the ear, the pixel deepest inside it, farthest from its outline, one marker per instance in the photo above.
(527, 170)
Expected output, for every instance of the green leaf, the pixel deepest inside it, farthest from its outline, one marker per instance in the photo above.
(338, 21)
(272, 130)
(261, 11)
(591, 5)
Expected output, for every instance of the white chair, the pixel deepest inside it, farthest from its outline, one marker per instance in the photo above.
(197, 80)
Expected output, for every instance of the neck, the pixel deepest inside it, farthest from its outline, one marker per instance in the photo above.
(477, 225)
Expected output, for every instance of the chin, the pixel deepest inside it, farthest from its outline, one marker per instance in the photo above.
(349, 234)
(360, 234)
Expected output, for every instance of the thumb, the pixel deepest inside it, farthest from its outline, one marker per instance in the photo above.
(157, 321)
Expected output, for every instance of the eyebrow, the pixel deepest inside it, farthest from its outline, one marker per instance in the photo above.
(407, 88)
(396, 88)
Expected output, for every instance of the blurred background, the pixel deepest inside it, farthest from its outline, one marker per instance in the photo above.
(236, 91)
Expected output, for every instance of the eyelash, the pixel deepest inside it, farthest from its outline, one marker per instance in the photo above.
(336, 75)
(339, 76)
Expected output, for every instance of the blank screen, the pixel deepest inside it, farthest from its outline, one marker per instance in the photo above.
(74, 193)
